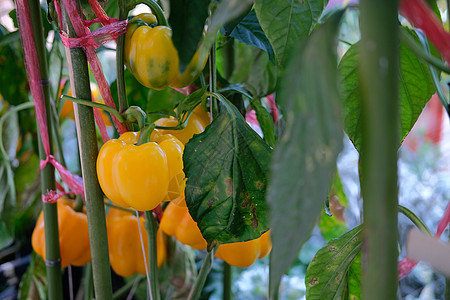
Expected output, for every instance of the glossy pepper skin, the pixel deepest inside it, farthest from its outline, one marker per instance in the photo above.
(73, 235)
(141, 176)
(244, 254)
(177, 221)
(152, 58)
(125, 250)
(198, 120)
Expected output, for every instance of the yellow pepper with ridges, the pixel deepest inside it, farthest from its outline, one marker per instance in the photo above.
(125, 251)
(73, 235)
(141, 176)
(152, 58)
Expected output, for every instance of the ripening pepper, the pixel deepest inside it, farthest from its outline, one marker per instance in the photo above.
(125, 250)
(73, 235)
(198, 120)
(152, 58)
(141, 176)
(244, 254)
(177, 221)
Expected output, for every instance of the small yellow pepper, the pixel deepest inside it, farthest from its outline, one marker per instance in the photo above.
(152, 58)
(244, 254)
(177, 221)
(73, 235)
(125, 250)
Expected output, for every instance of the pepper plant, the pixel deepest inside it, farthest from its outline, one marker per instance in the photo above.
(215, 136)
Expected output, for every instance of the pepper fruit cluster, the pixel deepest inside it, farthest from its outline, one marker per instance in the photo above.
(177, 221)
(152, 58)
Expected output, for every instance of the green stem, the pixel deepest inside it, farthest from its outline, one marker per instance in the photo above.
(152, 259)
(88, 147)
(415, 219)
(124, 290)
(379, 64)
(87, 282)
(227, 281)
(421, 53)
(52, 251)
(201, 278)
(144, 136)
(156, 9)
(119, 207)
(435, 77)
(228, 57)
(89, 103)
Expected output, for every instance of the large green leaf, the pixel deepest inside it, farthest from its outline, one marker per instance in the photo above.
(287, 22)
(331, 275)
(415, 89)
(187, 19)
(254, 70)
(304, 160)
(227, 169)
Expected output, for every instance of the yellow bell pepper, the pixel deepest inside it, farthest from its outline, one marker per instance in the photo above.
(125, 250)
(73, 235)
(152, 58)
(141, 176)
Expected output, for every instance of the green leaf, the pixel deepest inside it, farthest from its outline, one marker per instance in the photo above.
(287, 22)
(13, 71)
(255, 71)
(227, 169)
(34, 282)
(415, 89)
(354, 278)
(333, 225)
(249, 32)
(304, 160)
(265, 121)
(327, 276)
(187, 20)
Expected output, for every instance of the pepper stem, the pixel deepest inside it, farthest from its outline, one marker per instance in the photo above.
(144, 136)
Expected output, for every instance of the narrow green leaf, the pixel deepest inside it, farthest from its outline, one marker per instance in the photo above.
(34, 283)
(332, 224)
(187, 19)
(287, 22)
(327, 276)
(304, 160)
(415, 88)
(354, 278)
(227, 168)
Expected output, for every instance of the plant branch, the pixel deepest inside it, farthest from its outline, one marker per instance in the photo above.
(201, 278)
(87, 141)
(379, 65)
(415, 219)
(152, 259)
(89, 103)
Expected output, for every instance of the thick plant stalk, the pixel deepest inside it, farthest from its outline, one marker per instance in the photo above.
(87, 141)
(201, 278)
(227, 281)
(52, 252)
(379, 63)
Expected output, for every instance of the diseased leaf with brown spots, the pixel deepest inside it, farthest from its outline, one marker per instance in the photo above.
(227, 168)
(333, 272)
